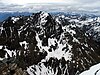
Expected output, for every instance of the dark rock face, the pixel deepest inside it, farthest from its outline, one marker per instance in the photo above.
(45, 45)
(11, 69)
(13, 33)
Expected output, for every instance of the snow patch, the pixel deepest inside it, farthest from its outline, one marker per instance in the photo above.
(1, 47)
(57, 20)
(41, 70)
(24, 43)
(11, 53)
(75, 40)
(43, 17)
(14, 19)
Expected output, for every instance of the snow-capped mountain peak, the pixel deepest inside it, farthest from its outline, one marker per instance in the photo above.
(43, 44)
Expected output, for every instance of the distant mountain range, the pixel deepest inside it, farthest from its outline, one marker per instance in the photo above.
(5, 15)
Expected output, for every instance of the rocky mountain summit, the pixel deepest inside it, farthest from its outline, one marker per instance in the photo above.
(45, 44)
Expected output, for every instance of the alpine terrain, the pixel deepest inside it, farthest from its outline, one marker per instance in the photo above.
(49, 44)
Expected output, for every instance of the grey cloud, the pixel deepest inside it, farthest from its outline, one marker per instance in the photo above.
(87, 1)
(80, 6)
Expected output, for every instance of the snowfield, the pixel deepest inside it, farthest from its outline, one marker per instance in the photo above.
(94, 70)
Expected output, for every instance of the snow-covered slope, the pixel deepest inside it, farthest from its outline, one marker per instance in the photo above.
(89, 24)
(43, 44)
(94, 70)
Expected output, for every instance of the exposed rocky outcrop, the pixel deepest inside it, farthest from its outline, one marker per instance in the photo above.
(8, 67)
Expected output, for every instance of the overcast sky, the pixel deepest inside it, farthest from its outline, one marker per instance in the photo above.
(50, 5)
